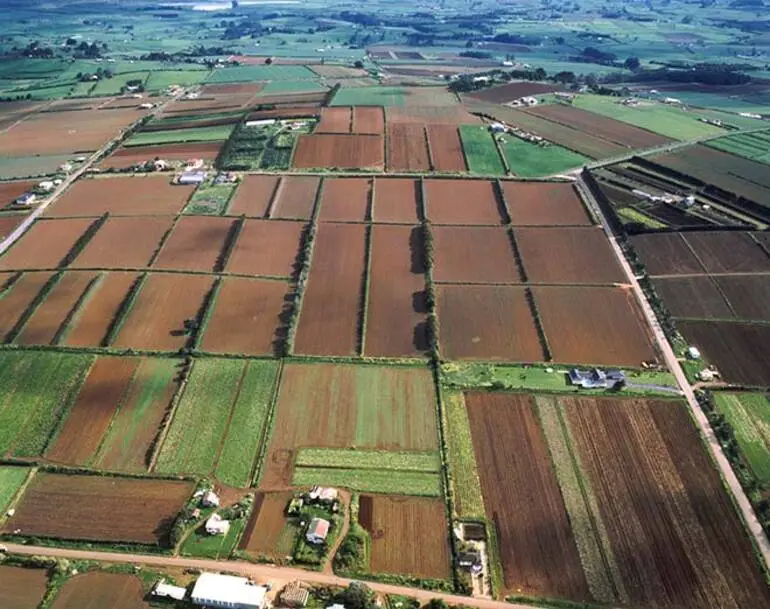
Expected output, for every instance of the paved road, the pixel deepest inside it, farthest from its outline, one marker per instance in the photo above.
(666, 350)
(260, 573)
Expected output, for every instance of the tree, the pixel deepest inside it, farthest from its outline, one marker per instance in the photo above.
(357, 596)
(437, 603)
(359, 65)
(632, 63)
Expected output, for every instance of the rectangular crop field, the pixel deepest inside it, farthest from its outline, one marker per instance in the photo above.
(124, 158)
(269, 532)
(396, 200)
(343, 151)
(156, 318)
(368, 480)
(487, 322)
(254, 195)
(11, 480)
(481, 152)
(325, 405)
(695, 297)
(329, 321)
(123, 243)
(106, 508)
(345, 199)
(749, 296)
(101, 589)
(217, 133)
(197, 243)
(368, 120)
(594, 325)
(334, 120)
(396, 324)
(267, 247)
(23, 588)
(446, 148)
(45, 244)
(474, 254)
(728, 252)
(407, 148)
(749, 416)
(530, 160)
(17, 298)
(544, 204)
(666, 254)
(122, 196)
(295, 198)
(464, 202)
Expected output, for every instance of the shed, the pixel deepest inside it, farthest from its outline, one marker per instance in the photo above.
(216, 525)
(210, 499)
(693, 353)
(215, 590)
(28, 198)
(294, 595)
(192, 177)
(164, 590)
(317, 531)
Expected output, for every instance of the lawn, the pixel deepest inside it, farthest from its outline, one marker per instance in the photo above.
(480, 151)
(36, 390)
(371, 481)
(11, 480)
(348, 458)
(115, 85)
(162, 79)
(210, 200)
(173, 136)
(261, 73)
(216, 547)
(749, 416)
(369, 96)
(529, 160)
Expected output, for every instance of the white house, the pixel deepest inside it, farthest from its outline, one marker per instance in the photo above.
(46, 186)
(28, 198)
(164, 590)
(323, 494)
(216, 525)
(214, 590)
(210, 499)
(317, 531)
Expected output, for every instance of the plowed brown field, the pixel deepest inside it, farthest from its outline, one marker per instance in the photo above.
(594, 325)
(749, 296)
(487, 323)
(246, 317)
(196, 244)
(666, 254)
(462, 202)
(728, 252)
(396, 323)
(345, 199)
(477, 254)
(395, 200)
(407, 148)
(266, 247)
(10, 191)
(100, 396)
(93, 590)
(368, 120)
(344, 151)
(523, 499)
(45, 245)
(544, 204)
(123, 158)
(296, 197)
(122, 196)
(8, 224)
(125, 243)
(334, 120)
(446, 148)
(106, 508)
(22, 588)
(392, 520)
(267, 533)
(697, 297)
(329, 321)
(254, 195)
(17, 298)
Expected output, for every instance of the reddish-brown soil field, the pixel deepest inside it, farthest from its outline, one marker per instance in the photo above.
(253, 196)
(246, 317)
(544, 204)
(594, 325)
(123, 158)
(296, 197)
(22, 588)
(43, 326)
(63, 132)
(391, 520)
(266, 247)
(10, 191)
(728, 252)
(674, 532)
(345, 199)
(92, 590)
(368, 120)
(9, 223)
(156, 319)
(334, 120)
(487, 323)
(749, 296)
(265, 534)
(122, 196)
(407, 148)
(395, 200)
(666, 254)
(91, 323)
(601, 126)
(515, 90)
(17, 298)
(523, 499)
(462, 202)
(196, 244)
(45, 245)
(430, 114)
(567, 255)
(123, 243)
(474, 255)
(349, 151)
(396, 317)
(90, 417)
(446, 148)
(328, 324)
(739, 351)
(697, 297)
(106, 508)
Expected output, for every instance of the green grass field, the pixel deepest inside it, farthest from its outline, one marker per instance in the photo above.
(754, 146)
(216, 547)
(466, 485)
(114, 85)
(270, 73)
(210, 200)
(369, 96)
(369, 459)
(481, 151)
(162, 79)
(749, 416)
(11, 479)
(31, 166)
(36, 389)
(175, 136)
(371, 481)
(529, 160)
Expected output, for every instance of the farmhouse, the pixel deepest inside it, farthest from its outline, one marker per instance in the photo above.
(323, 494)
(28, 198)
(214, 590)
(216, 525)
(210, 499)
(164, 590)
(597, 378)
(317, 531)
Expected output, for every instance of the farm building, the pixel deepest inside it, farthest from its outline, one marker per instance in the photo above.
(164, 590)
(28, 198)
(192, 177)
(597, 378)
(210, 499)
(317, 531)
(216, 525)
(294, 595)
(323, 494)
(215, 590)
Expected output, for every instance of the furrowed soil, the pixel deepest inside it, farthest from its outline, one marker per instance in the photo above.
(474, 254)
(296, 197)
(10, 191)
(196, 244)
(124, 243)
(578, 335)
(748, 296)
(99, 398)
(464, 202)
(9, 223)
(266, 247)
(487, 323)
(345, 199)
(22, 588)
(544, 204)
(344, 151)
(368, 120)
(728, 252)
(391, 520)
(396, 324)
(692, 297)
(328, 323)
(446, 148)
(247, 317)
(395, 200)
(334, 120)
(666, 254)
(407, 148)
(267, 533)
(106, 508)
(523, 500)
(124, 158)
(254, 195)
(113, 590)
(17, 299)
(45, 245)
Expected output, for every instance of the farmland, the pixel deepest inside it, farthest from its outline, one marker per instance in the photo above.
(345, 199)
(124, 158)
(407, 148)
(747, 414)
(270, 533)
(22, 588)
(177, 136)
(116, 590)
(481, 151)
(463, 255)
(266, 248)
(544, 204)
(395, 200)
(295, 198)
(195, 244)
(343, 151)
(18, 295)
(254, 195)
(528, 160)
(123, 243)
(11, 480)
(446, 202)
(59, 237)
(106, 508)
(446, 148)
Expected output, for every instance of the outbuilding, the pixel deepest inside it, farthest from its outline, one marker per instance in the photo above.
(192, 177)
(216, 525)
(164, 590)
(215, 590)
(317, 531)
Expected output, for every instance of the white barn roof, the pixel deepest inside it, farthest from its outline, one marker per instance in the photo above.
(226, 590)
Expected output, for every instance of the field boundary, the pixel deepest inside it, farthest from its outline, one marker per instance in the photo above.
(113, 330)
(160, 438)
(267, 428)
(38, 300)
(65, 327)
(365, 281)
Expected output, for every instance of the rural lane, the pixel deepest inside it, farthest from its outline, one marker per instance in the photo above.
(260, 573)
(754, 526)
